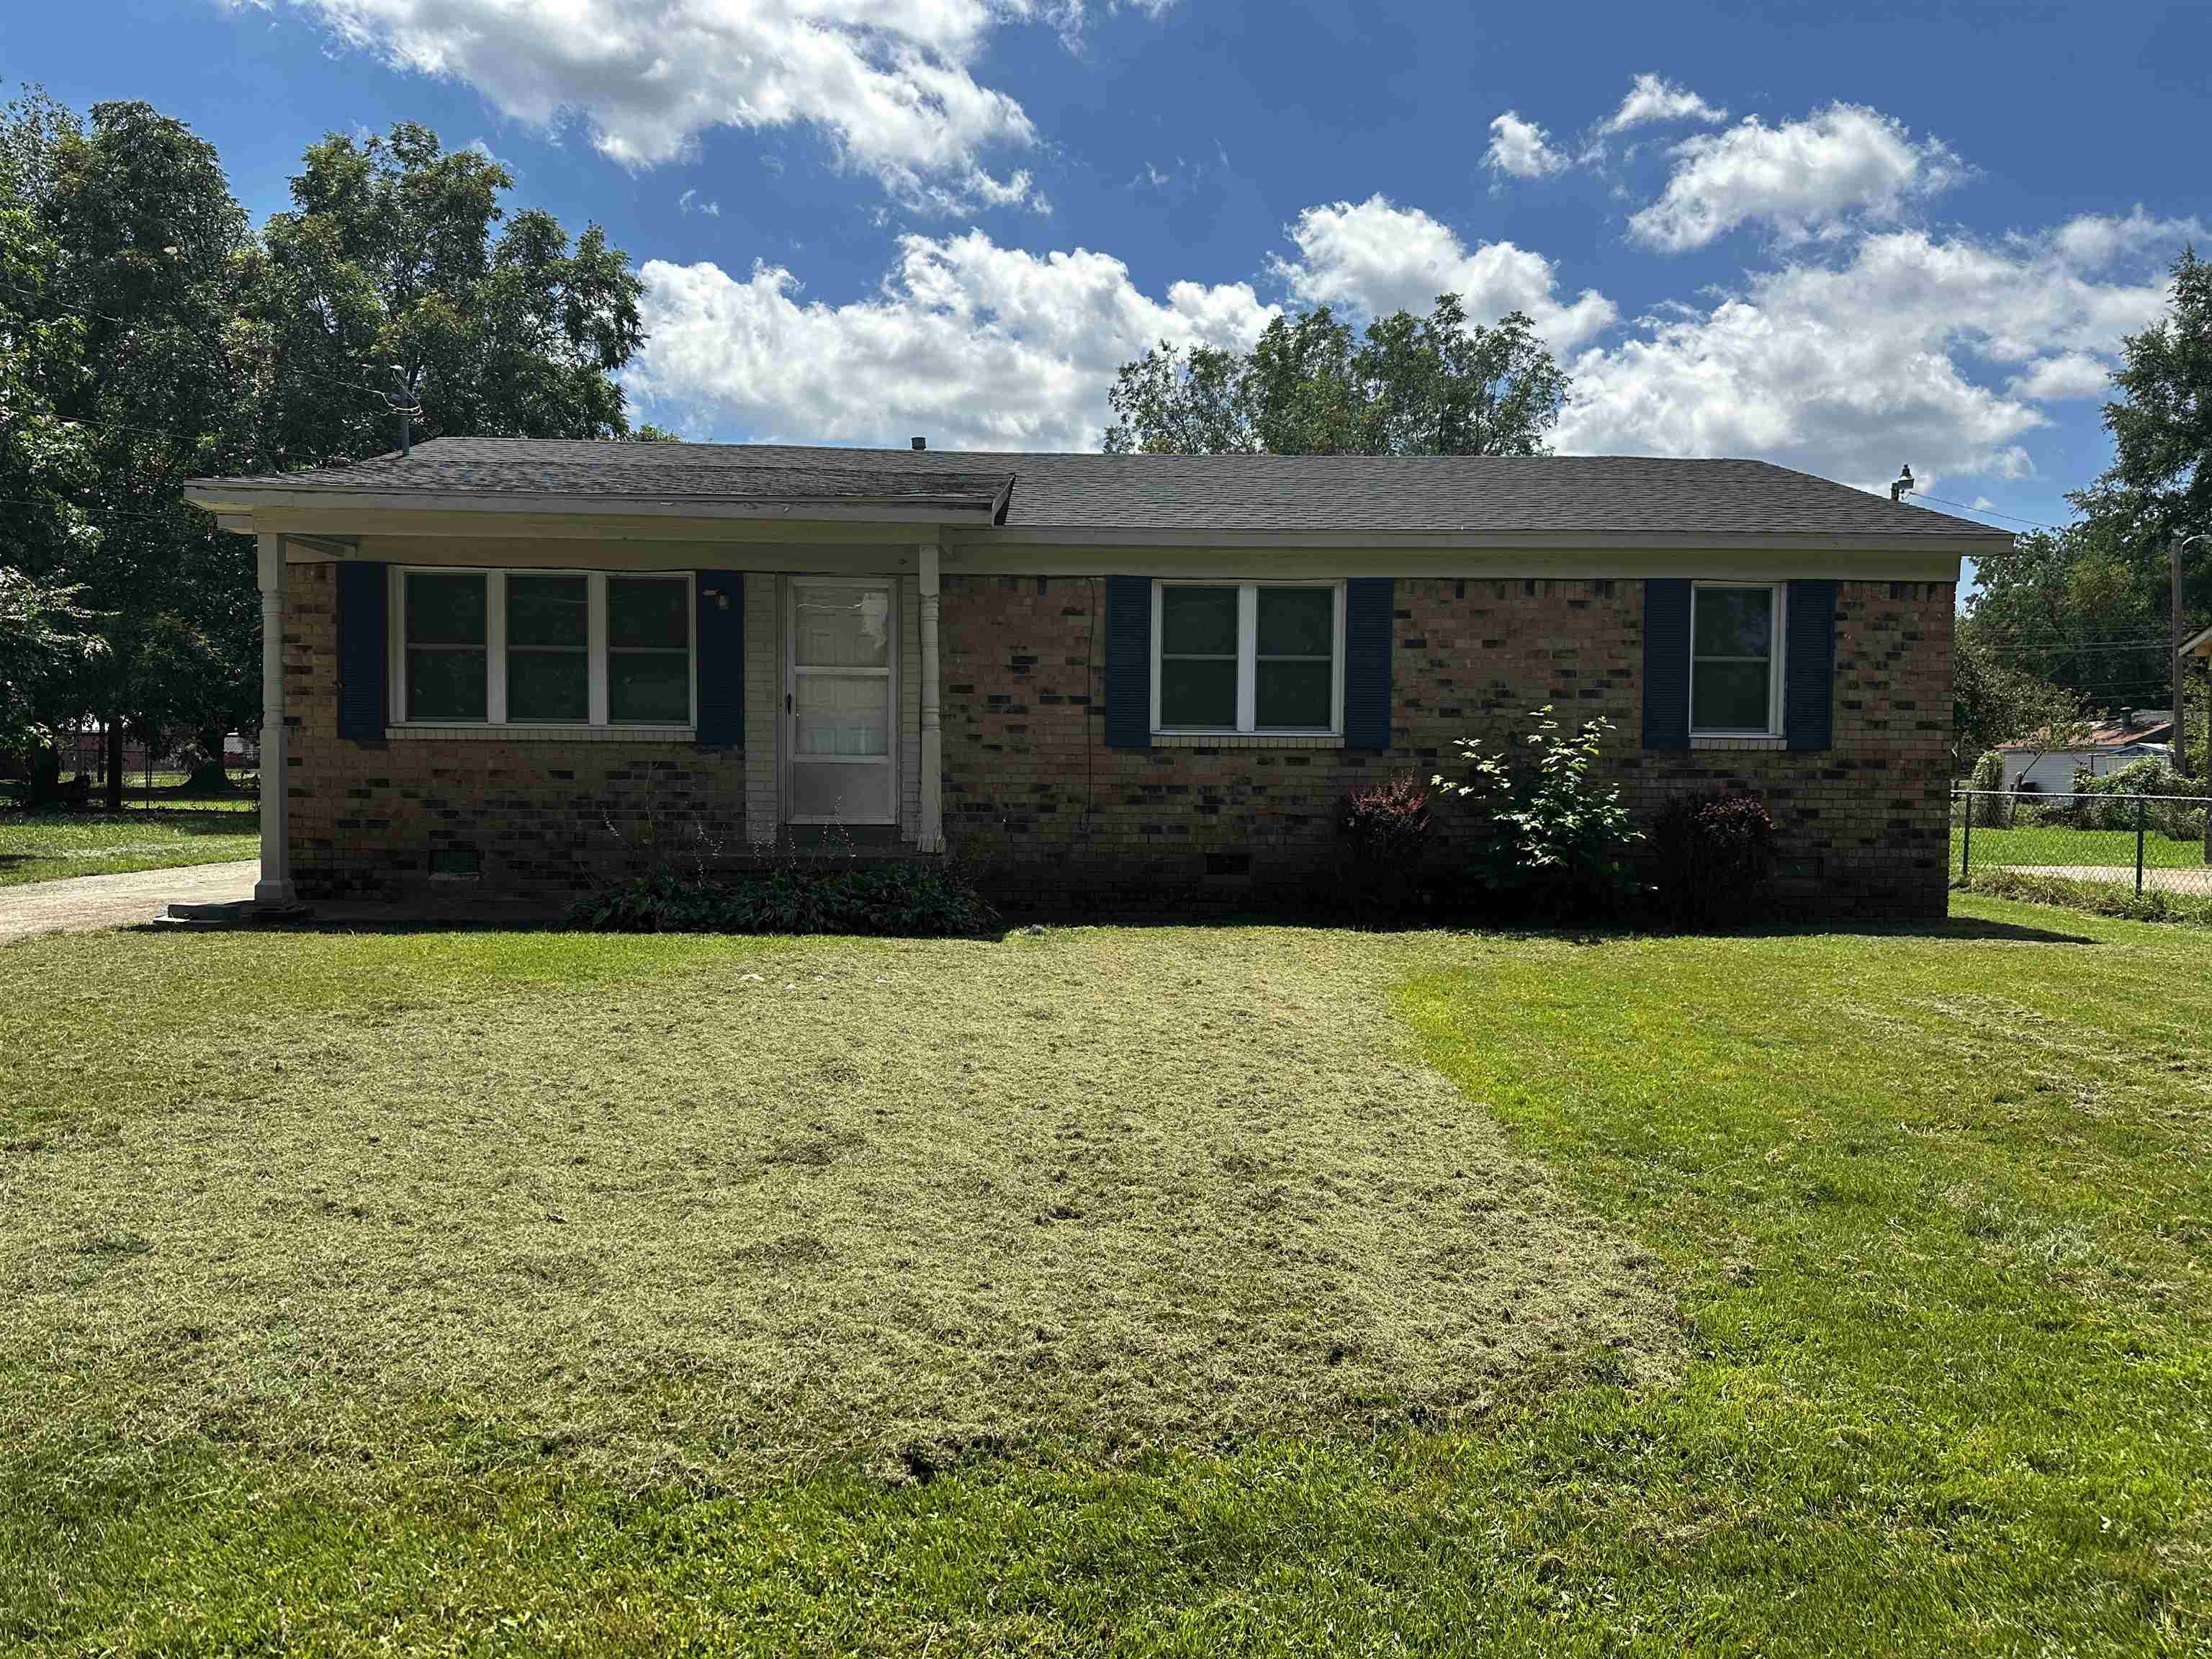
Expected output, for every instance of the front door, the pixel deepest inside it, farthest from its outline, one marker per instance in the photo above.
(841, 759)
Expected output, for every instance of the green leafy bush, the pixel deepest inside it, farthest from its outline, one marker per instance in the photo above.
(2094, 807)
(1714, 860)
(909, 899)
(1558, 846)
(1384, 832)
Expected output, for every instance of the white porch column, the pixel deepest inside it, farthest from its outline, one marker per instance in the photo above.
(275, 886)
(932, 839)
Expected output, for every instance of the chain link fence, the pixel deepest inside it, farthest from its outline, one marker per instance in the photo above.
(2147, 842)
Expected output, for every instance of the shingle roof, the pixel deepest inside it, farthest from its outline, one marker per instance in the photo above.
(1596, 495)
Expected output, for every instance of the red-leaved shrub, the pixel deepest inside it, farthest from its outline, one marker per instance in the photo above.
(1384, 829)
(1715, 858)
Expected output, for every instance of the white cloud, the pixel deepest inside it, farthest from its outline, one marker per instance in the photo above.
(689, 202)
(1945, 352)
(2069, 374)
(1852, 368)
(1520, 147)
(975, 345)
(893, 88)
(1375, 258)
(1810, 177)
(1654, 98)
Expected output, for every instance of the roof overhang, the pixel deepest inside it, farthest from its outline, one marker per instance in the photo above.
(231, 499)
(2198, 645)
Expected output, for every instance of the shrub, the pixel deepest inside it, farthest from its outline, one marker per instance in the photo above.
(2094, 809)
(915, 900)
(1716, 859)
(1385, 831)
(1559, 840)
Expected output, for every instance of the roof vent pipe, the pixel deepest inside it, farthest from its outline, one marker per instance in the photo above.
(922, 443)
(1903, 487)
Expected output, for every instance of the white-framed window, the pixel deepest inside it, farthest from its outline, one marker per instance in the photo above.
(543, 647)
(1248, 657)
(1735, 658)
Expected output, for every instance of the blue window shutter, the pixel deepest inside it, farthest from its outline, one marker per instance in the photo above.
(364, 652)
(1368, 602)
(1667, 663)
(1129, 662)
(720, 595)
(1808, 701)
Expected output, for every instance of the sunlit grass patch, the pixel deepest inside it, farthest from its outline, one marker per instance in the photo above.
(733, 1210)
(51, 846)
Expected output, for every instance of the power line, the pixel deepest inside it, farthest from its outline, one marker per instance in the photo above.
(1989, 512)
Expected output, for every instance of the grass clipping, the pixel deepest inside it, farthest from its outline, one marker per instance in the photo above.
(885, 1204)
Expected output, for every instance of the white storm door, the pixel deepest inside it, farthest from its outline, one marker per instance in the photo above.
(841, 734)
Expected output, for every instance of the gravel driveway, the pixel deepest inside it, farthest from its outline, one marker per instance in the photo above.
(84, 904)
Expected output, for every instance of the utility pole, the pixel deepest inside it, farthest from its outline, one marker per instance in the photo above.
(2181, 666)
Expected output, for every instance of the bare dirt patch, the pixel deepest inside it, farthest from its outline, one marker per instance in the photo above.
(835, 1201)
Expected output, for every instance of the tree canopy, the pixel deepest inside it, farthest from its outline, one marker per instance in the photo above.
(398, 271)
(147, 334)
(1312, 385)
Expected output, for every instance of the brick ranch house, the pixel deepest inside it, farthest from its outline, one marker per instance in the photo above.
(1124, 679)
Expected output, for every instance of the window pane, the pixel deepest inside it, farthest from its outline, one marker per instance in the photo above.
(653, 687)
(444, 686)
(838, 715)
(446, 609)
(548, 610)
(1293, 694)
(646, 612)
(1198, 691)
(1734, 622)
(1198, 621)
(1297, 621)
(841, 627)
(1729, 696)
(548, 685)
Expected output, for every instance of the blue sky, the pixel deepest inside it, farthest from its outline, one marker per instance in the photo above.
(1841, 238)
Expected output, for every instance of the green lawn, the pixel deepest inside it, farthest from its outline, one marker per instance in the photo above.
(51, 845)
(2061, 844)
(1110, 1290)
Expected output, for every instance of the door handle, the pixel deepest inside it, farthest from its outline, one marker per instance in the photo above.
(786, 703)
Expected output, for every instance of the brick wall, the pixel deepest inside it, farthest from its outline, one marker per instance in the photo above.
(544, 817)
(1048, 815)
(1034, 799)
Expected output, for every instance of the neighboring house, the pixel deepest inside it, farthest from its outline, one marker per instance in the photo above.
(1118, 681)
(2138, 734)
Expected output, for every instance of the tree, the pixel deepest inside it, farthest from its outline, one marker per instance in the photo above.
(1311, 385)
(2077, 607)
(43, 631)
(1994, 702)
(2161, 424)
(386, 280)
(141, 247)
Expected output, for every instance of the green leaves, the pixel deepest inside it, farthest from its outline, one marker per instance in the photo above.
(398, 254)
(1311, 385)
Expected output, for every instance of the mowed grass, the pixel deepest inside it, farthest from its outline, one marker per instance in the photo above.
(2061, 844)
(1820, 1294)
(51, 846)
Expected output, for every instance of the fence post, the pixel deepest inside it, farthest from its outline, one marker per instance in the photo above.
(2140, 805)
(1966, 845)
